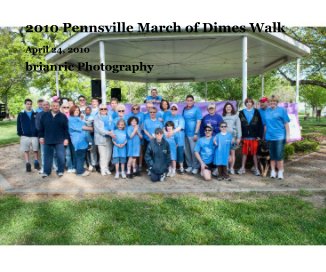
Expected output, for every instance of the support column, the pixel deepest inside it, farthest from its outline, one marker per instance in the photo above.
(262, 85)
(103, 75)
(297, 82)
(57, 82)
(244, 67)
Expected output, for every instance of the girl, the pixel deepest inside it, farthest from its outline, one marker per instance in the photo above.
(133, 145)
(233, 127)
(120, 149)
(222, 141)
(169, 127)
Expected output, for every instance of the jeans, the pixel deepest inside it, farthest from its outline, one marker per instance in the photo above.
(92, 154)
(80, 160)
(189, 153)
(69, 157)
(48, 157)
(180, 154)
(42, 156)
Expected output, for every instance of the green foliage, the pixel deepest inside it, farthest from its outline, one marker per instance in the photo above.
(306, 146)
(288, 151)
(8, 132)
(312, 126)
(159, 220)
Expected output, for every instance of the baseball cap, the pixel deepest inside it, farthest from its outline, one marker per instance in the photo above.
(208, 126)
(174, 106)
(211, 105)
(263, 99)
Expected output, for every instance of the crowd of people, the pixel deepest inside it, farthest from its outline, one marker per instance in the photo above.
(81, 138)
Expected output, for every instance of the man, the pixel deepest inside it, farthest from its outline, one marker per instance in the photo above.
(39, 105)
(45, 108)
(154, 98)
(94, 106)
(150, 125)
(113, 103)
(54, 136)
(192, 115)
(158, 156)
(212, 118)
(263, 105)
(252, 132)
(82, 104)
(27, 132)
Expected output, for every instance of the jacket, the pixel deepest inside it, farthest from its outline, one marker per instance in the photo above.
(100, 136)
(25, 125)
(158, 156)
(253, 130)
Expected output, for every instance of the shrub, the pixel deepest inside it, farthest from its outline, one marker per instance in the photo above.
(288, 151)
(314, 136)
(305, 146)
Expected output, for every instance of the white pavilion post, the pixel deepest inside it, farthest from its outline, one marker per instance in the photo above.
(103, 75)
(297, 82)
(57, 82)
(262, 85)
(244, 67)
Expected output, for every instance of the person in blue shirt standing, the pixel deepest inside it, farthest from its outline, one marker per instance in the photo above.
(164, 112)
(192, 115)
(78, 131)
(222, 141)
(171, 139)
(212, 118)
(154, 97)
(179, 126)
(121, 110)
(263, 106)
(39, 105)
(204, 152)
(276, 124)
(120, 149)
(150, 125)
(133, 146)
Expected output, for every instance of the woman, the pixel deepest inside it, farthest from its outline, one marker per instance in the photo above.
(78, 132)
(234, 127)
(121, 110)
(164, 112)
(103, 127)
(277, 133)
(178, 132)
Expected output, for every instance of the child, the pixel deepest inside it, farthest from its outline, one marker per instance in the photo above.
(120, 149)
(89, 120)
(133, 146)
(171, 139)
(223, 141)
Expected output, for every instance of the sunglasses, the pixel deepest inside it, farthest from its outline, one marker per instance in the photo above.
(152, 112)
(173, 109)
(66, 107)
(135, 108)
(104, 109)
(206, 130)
(222, 126)
(121, 111)
(160, 133)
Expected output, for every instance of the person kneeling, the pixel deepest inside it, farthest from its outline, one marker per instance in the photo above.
(204, 152)
(158, 156)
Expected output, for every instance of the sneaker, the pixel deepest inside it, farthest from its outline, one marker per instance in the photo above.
(37, 165)
(163, 176)
(253, 169)
(116, 175)
(71, 171)
(194, 171)
(181, 171)
(41, 171)
(103, 173)
(219, 178)
(148, 172)
(107, 172)
(280, 175)
(169, 173)
(44, 175)
(256, 172)
(85, 174)
(129, 176)
(60, 174)
(28, 167)
(123, 175)
(172, 173)
(231, 171)
(215, 172)
(91, 168)
(188, 170)
(241, 171)
(273, 174)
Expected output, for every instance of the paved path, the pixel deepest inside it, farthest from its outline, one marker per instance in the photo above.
(305, 173)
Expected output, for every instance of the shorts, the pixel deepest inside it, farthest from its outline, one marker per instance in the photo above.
(249, 147)
(276, 150)
(26, 142)
(119, 160)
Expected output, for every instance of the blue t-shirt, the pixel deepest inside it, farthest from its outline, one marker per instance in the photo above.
(139, 115)
(78, 136)
(275, 120)
(179, 122)
(133, 145)
(173, 146)
(222, 150)
(262, 113)
(150, 125)
(29, 114)
(149, 98)
(191, 117)
(94, 112)
(205, 148)
(121, 138)
(113, 113)
(249, 114)
(115, 121)
(39, 110)
(107, 120)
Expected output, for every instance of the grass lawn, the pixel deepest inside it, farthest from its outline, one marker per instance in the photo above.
(311, 125)
(163, 220)
(8, 132)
